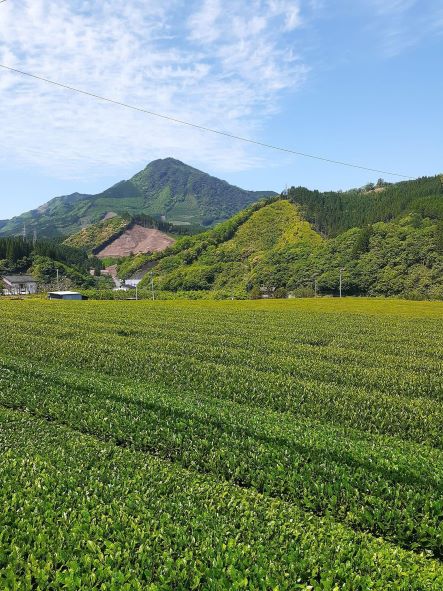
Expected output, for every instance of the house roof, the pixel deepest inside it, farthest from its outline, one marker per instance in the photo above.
(19, 279)
(61, 293)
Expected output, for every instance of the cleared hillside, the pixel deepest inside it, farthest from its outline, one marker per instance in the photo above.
(95, 235)
(135, 240)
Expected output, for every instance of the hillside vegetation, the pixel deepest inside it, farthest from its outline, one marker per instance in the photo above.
(233, 263)
(221, 445)
(333, 212)
(95, 235)
(271, 249)
(43, 258)
(181, 194)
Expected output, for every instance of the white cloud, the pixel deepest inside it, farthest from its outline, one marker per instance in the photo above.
(289, 9)
(203, 23)
(219, 65)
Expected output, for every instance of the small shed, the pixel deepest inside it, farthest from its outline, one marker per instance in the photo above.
(65, 295)
(19, 284)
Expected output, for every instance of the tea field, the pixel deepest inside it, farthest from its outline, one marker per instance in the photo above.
(263, 445)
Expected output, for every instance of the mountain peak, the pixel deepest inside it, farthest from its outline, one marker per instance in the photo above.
(163, 161)
(166, 188)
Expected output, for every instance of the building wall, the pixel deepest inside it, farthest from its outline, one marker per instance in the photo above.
(20, 289)
(66, 297)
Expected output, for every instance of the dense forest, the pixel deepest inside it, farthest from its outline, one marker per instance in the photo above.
(43, 258)
(271, 250)
(334, 212)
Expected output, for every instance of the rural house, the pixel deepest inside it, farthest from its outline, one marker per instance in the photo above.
(19, 284)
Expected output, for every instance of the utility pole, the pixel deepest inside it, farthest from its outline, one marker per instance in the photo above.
(152, 285)
(58, 280)
(136, 291)
(341, 277)
(314, 277)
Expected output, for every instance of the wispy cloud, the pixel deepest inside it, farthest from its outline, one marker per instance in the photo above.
(221, 65)
(403, 24)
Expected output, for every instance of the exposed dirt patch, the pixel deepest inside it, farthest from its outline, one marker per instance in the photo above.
(110, 215)
(376, 190)
(137, 240)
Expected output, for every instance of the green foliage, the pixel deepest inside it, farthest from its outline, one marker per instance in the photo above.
(362, 244)
(45, 269)
(143, 448)
(280, 293)
(271, 247)
(189, 248)
(439, 237)
(334, 212)
(170, 188)
(255, 293)
(44, 257)
(236, 253)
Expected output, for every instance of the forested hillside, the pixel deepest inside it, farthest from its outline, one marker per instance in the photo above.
(386, 238)
(235, 263)
(166, 189)
(333, 212)
(43, 258)
(269, 249)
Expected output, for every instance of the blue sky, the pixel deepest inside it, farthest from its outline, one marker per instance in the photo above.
(358, 81)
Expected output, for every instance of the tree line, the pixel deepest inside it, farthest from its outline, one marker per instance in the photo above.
(334, 212)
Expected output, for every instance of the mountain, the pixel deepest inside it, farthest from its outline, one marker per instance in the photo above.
(270, 247)
(169, 188)
(229, 255)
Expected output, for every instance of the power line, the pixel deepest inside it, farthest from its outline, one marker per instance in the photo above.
(201, 127)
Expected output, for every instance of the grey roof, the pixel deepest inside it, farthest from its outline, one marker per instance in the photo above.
(19, 279)
(64, 293)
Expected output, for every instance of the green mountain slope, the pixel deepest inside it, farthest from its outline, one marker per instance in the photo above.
(270, 246)
(170, 188)
(333, 212)
(229, 256)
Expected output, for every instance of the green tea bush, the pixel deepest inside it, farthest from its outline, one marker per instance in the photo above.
(221, 445)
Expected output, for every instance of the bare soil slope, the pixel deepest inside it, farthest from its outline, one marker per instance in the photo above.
(137, 240)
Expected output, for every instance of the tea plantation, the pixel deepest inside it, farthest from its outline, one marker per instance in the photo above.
(263, 445)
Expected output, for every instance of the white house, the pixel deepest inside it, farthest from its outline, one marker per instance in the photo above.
(19, 284)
